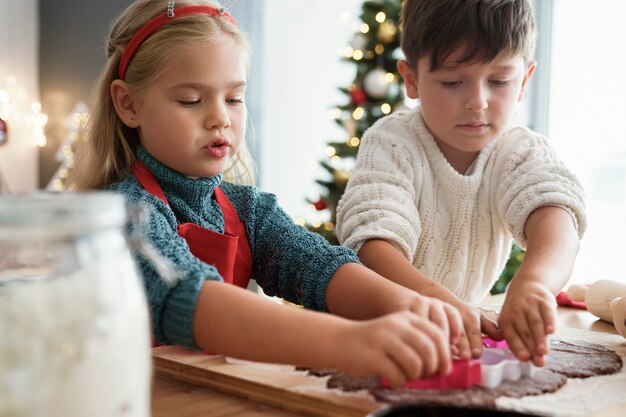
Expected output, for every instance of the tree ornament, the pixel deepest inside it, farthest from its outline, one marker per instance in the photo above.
(4, 132)
(341, 177)
(386, 32)
(358, 96)
(359, 41)
(320, 204)
(375, 83)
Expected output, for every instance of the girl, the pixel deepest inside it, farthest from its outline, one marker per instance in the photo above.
(168, 131)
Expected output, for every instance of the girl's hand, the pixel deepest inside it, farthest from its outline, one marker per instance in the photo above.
(442, 314)
(528, 316)
(470, 342)
(400, 346)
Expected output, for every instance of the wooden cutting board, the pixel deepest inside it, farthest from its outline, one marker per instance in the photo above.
(280, 386)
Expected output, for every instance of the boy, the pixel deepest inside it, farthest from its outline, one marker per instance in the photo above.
(439, 192)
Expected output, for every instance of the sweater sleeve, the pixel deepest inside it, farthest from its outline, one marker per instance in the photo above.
(171, 305)
(288, 261)
(529, 177)
(379, 201)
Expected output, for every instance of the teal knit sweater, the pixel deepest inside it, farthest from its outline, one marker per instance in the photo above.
(288, 261)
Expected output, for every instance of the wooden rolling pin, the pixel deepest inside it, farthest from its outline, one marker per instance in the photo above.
(604, 299)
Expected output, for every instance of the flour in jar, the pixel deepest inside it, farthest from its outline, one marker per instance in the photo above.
(75, 344)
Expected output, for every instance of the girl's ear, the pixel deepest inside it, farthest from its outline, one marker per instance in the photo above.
(124, 102)
(531, 69)
(409, 75)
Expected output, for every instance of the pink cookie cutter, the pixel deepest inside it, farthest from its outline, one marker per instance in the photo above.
(496, 365)
(465, 373)
(490, 343)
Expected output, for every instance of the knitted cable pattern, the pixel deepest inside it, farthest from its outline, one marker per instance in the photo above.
(288, 261)
(456, 229)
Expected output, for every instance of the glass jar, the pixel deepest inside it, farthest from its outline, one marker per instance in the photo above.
(74, 329)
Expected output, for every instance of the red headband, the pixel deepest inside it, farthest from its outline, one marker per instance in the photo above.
(158, 21)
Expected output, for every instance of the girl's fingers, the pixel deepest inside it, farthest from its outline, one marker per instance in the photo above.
(421, 308)
(437, 315)
(414, 363)
(391, 370)
(429, 340)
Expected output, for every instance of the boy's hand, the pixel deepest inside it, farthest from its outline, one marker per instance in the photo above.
(400, 347)
(528, 316)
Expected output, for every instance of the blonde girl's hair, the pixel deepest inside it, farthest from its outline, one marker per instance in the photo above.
(108, 151)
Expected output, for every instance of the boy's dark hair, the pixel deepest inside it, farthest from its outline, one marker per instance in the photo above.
(487, 27)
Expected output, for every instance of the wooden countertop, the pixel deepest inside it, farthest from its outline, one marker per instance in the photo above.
(175, 398)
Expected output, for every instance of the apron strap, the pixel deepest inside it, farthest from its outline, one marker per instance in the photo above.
(233, 225)
(147, 181)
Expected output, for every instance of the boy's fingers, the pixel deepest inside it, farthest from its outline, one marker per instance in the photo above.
(548, 315)
(490, 328)
(475, 337)
(463, 346)
(537, 327)
(516, 344)
(523, 329)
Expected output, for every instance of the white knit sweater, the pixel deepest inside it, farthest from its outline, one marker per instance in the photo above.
(455, 229)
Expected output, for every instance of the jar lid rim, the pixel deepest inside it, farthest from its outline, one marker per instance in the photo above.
(94, 209)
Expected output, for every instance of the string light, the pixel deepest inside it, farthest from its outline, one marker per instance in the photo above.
(385, 108)
(330, 151)
(65, 154)
(357, 55)
(364, 28)
(379, 49)
(358, 113)
(354, 142)
(334, 113)
(329, 226)
(381, 17)
(12, 104)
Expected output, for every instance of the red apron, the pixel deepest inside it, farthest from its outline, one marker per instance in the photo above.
(228, 252)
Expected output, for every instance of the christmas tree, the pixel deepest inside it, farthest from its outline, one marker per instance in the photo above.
(376, 91)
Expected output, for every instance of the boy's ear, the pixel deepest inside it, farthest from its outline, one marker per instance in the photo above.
(409, 75)
(123, 99)
(531, 69)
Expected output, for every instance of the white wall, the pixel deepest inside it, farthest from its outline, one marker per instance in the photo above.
(302, 70)
(586, 124)
(19, 74)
